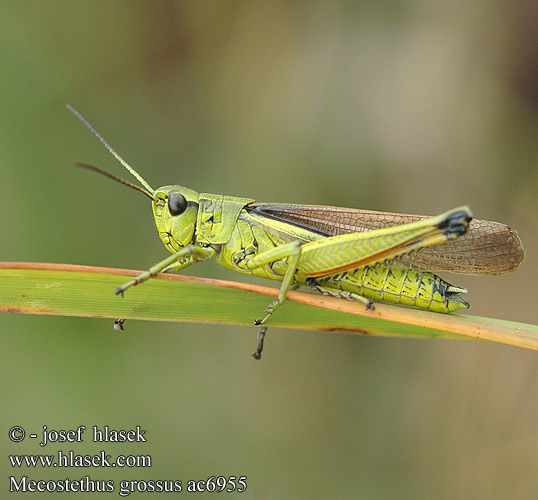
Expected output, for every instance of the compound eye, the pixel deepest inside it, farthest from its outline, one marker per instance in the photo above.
(177, 203)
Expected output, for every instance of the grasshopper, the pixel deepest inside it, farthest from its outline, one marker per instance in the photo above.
(347, 253)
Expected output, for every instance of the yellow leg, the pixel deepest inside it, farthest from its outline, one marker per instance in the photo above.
(197, 254)
(293, 252)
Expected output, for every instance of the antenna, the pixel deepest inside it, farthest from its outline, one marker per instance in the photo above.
(110, 149)
(114, 178)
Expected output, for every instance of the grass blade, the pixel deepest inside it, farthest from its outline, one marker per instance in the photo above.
(70, 290)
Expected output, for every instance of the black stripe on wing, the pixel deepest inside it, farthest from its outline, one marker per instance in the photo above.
(487, 248)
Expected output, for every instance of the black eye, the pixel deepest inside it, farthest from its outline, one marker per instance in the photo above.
(177, 203)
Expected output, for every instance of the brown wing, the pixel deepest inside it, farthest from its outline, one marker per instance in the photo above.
(487, 248)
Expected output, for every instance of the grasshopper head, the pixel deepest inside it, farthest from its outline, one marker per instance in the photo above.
(175, 209)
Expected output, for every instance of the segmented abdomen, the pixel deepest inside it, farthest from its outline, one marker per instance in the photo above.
(398, 286)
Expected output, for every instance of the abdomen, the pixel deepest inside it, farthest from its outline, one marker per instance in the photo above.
(414, 288)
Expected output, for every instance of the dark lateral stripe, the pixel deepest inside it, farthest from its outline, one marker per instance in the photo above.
(266, 212)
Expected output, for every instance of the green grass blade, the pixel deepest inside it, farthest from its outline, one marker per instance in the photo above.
(70, 290)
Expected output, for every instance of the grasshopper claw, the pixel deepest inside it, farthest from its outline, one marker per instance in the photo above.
(118, 324)
(261, 335)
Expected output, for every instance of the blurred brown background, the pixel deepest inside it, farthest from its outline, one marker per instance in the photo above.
(413, 107)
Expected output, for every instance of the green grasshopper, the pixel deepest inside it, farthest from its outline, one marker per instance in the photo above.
(347, 253)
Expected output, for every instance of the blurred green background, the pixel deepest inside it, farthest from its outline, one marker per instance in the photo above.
(414, 107)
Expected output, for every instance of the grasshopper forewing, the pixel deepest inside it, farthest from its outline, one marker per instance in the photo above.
(488, 248)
